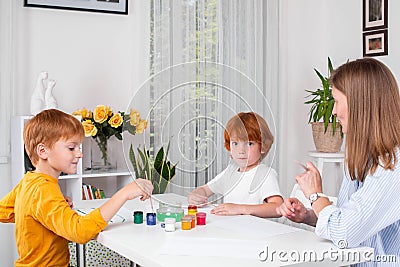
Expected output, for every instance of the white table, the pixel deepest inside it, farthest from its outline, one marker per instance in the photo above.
(224, 241)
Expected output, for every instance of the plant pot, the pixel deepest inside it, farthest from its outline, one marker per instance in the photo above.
(327, 141)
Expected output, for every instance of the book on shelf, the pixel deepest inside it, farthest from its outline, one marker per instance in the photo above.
(90, 192)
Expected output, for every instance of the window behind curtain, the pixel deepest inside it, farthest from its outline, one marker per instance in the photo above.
(208, 62)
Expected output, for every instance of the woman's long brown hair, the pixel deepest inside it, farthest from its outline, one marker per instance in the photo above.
(373, 130)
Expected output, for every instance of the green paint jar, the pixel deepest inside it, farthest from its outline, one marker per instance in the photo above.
(138, 217)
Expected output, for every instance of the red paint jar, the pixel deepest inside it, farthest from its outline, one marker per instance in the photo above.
(201, 218)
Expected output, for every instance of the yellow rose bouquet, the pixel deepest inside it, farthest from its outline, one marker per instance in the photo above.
(103, 123)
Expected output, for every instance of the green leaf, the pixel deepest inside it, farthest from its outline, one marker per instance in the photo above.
(163, 185)
(118, 136)
(132, 158)
(159, 160)
(330, 67)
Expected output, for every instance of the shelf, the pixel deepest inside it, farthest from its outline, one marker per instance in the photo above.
(91, 174)
(70, 176)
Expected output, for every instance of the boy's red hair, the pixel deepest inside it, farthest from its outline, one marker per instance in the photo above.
(250, 127)
(48, 127)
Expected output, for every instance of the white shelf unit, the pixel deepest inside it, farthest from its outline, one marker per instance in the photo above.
(71, 185)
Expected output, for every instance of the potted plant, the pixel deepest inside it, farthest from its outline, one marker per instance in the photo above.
(327, 131)
(158, 170)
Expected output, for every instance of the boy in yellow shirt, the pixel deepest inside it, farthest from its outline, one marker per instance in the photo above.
(44, 220)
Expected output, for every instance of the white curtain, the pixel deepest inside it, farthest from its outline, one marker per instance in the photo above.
(210, 59)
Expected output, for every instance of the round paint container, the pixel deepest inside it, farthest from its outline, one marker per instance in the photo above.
(138, 217)
(169, 224)
(192, 210)
(201, 218)
(193, 222)
(151, 218)
(186, 222)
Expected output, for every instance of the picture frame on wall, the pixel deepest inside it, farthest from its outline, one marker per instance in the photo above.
(375, 43)
(103, 6)
(375, 14)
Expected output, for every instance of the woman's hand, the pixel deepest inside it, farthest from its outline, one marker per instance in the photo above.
(293, 209)
(310, 181)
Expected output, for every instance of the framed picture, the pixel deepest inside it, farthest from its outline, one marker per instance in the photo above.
(375, 14)
(104, 6)
(375, 43)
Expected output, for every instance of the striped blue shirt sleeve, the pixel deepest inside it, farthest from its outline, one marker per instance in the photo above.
(367, 214)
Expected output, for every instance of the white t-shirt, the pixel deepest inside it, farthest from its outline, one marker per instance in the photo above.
(250, 187)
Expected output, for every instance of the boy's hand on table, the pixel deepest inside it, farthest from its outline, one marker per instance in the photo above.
(228, 209)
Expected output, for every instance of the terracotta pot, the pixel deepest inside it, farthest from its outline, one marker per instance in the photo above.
(327, 141)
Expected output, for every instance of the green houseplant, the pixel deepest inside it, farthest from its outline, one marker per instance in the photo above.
(322, 101)
(158, 170)
(321, 116)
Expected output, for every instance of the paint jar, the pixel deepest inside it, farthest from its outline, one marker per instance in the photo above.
(151, 218)
(170, 211)
(192, 210)
(201, 218)
(169, 224)
(138, 217)
(186, 223)
(193, 222)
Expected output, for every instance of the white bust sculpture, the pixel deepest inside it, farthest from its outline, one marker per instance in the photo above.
(42, 97)
(49, 98)
(37, 99)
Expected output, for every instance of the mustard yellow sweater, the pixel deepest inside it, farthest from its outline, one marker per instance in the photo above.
(44, 222)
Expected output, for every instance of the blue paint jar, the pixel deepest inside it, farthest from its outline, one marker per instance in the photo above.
(151, 218)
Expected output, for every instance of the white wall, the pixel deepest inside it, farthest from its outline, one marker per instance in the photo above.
(96, 58)
(312, 30)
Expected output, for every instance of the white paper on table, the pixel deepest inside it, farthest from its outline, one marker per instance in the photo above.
(254, 227)
(212, 247)
(123, 215)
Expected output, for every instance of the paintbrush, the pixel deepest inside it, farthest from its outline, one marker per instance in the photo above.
(151, 204)
(151, 201)
(301, 164)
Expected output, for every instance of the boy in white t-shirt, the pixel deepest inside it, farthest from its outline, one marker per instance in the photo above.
(248, 186)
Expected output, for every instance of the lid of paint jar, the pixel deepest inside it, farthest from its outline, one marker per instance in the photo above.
(192, 207)
(170, 220)
(187, 218)
(201, 214)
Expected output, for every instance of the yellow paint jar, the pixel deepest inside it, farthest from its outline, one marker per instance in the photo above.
(192, 210)
(186, 222)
